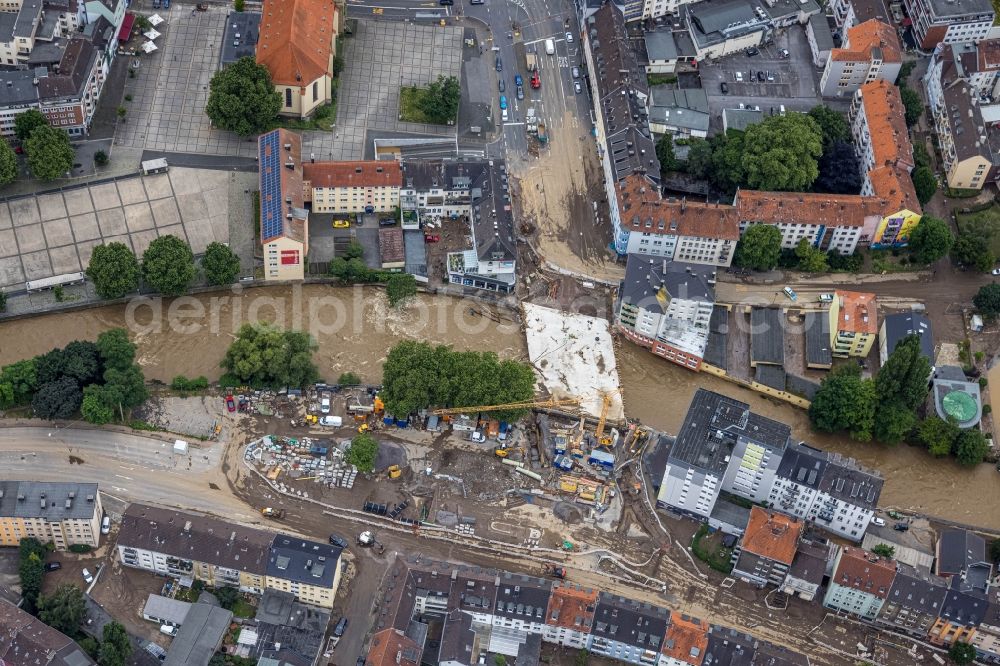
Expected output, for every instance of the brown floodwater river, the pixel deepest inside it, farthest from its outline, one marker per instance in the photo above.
(355, 328)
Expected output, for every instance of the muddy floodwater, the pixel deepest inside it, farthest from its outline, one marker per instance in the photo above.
(355, 328)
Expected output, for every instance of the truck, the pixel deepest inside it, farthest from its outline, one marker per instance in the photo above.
(276, 514)
(543, 136)
(531, 60)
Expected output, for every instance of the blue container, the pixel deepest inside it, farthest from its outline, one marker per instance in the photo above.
(388, 420)
(402, 423)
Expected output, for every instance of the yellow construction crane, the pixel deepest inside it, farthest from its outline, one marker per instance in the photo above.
(551, 402)
(599, 433)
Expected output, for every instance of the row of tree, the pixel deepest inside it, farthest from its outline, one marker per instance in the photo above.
(417, 376)
(350, 268)
(167, 266)
(100, 380)
(48, 149)
(885, 407)
(267, 356)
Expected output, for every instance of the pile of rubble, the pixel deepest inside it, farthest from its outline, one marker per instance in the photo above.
(302, 459)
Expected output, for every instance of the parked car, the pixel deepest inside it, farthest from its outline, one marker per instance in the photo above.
(518, 81)
(338, 631)
(576, 72)
(87, 577)
(201, 7)
(878, 521)
(738, 76)
(167, 629)
(53, 566)
(503, 102)
(341, 224)
(569, 37)
(790, 293)
(520, 92)
(432, 238)
(724, 87)
(783, 53)
(760, 76)
(332, 421)
(995, 271)
(477, 436)
(324, 405)
(752, 51)
(502, 85)
(336, 540)
(499, 64)
(770, 76)
(577, 87)
(901, 527)
(826, 298)
(106, 525)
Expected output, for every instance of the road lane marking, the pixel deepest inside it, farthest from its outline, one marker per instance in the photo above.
(127, 478)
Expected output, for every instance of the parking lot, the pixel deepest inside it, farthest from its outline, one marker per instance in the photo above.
(795, 82)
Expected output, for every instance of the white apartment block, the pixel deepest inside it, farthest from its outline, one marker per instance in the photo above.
(353, 187)
(66, 514)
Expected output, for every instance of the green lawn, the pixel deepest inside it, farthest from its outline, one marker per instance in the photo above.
(983, 221)
(709, 549)
(243, 608)
(411, 102)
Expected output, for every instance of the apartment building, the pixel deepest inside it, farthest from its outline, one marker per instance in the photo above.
(871, 51)
(853, 323)
(66, 514)
(828, 221)
(698, 467)
(284, 220)
(878, 126)
(297, 44)
(352, 187)
(439, 189)
(949, 21)
(28, 640)
(666, 307)
(767, 548)
(860, 583)
(805, 576)
(987, 637)
(195, 547)
(484, 614)
(899, 326)
(915, 600)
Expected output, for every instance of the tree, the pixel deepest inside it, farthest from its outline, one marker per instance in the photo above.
(227, 596)
(31, 568)
(81, 360)
(57, 400)
(845, 401)
(220, 263)
(699, 158)
(239, 5)
(904, 375)
(351, 270)
(665, 153)
(26, 123)
(363, 451)
(168, 265)
(95, 407)
(349, 379)
(582, 657)
(727, 171)
(912, 104)
(938, 435)
(8, 164)
(781, 153)
(893, 422)
(64, 609)
(116, 350)
(759, 248)
(962, 653)
(3, 301)
(114, 270)
(987, 300)
(832, 125)
(925, 184)
(125, 389)
(972, 249)
(242, 98)
(971, 447)
(838, 170)
(121, 111)
(50, 154)
(884, 550)
(101, 158)
(440, 100)
(499, 660)
(18, 382)
(811, 259)
(400, 287)
(116, 647)
(338, 65)
(931, 240)
(265, 355)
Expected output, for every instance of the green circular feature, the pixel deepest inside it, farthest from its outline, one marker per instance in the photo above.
(960, 405)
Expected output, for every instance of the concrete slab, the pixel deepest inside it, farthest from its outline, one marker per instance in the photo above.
(174, 230)
(192, 206)
(187, 181)
(105, 196)
(24, 211)
(123, 239)
(78, 201)
(139, 217)
(64, 260)
(165, 212)
(157, 186)
(51, 206)
(112, 221)
(37, 265)
(85, 249)
(5, 221)
(142, 239)
(30, 238)
(58, 233)
(8, 243)
(85, 226)
(200, 234)
(11, 272)
(131, 190)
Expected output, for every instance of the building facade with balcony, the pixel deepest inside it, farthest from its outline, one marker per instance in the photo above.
(860, 583)
(871, 52)
(352, 187)
(853, 323)
(66, 514)
(949, 21)
(767, 548)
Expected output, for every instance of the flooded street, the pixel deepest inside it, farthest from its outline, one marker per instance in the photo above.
(355, 328)
(658, 393)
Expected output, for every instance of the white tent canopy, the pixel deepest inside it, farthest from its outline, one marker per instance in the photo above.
(151, 34)
(155, 20)
(148, 47)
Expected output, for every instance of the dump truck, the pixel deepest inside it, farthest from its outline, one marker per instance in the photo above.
(531, 61)
(543, 136)
(394, 471)
(276, 514)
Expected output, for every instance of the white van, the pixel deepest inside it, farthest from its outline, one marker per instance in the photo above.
(86, 576)
(550, 47)
(168, 630)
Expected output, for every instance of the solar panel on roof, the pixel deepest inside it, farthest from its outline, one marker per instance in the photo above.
(270, 185)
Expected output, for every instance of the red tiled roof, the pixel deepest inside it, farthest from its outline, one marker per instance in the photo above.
(686, 639)
(988, 52)
(390, 243)
(832, 210)
(386, 173)
(886, 124)
(865, 571)
(864, 38)
(571, 607)
(389, 644)
(772, 535)
(895, 186)
(858, 312)
(642, 209)
(296, 40)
